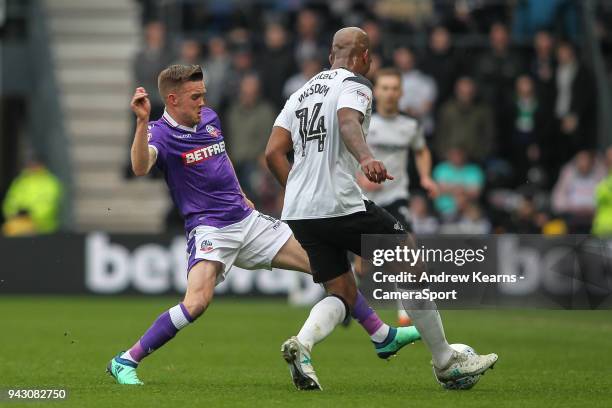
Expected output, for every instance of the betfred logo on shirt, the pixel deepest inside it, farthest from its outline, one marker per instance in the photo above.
(200, 154)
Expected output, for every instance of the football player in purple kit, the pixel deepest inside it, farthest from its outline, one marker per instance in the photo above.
(222, 226)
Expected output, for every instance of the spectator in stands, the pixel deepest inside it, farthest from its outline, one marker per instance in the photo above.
(372, 28)
(275, 63)
(468, 220)
(33, 201)
(523, 218)
(249, 120)
(575, 107)
(441, 63)
(496, 71)
(308, 45)
(418, 90)
(602, 222)
(458, 181)
(405, 14)
(150, 61)
(242, 66)
(309, 68)
(421, 220)
(529, 125)
(573, 196)
(542, 68)
(216, 66)
(457, 16)
(465, 123)
(190, 53)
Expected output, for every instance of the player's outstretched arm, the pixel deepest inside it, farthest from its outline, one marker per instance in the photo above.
(142, 156)
(349, 122)
(278, 146)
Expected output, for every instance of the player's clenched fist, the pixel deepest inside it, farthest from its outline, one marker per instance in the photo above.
(140, 104)
(375, 170)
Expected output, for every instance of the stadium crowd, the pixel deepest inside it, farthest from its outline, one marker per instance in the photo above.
(507, 103)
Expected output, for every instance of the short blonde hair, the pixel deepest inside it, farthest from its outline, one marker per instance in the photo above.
(175, 75)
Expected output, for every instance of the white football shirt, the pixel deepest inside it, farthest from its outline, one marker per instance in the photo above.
(390, 138)
(322, 181)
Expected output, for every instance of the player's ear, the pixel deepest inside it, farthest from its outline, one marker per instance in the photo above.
(172, 99)
(331, 59)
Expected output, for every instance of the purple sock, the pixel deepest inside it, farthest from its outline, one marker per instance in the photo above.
(365, 315)
(161, 331)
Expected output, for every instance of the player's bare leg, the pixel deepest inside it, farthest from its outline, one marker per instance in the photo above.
(448, 363)
(200, 290)
(292, 256)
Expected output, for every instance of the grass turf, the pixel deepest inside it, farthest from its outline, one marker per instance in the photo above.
(231, 357)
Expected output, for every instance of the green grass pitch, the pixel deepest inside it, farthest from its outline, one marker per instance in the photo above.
(231, 357)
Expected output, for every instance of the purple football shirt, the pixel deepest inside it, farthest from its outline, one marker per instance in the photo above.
(198, 171)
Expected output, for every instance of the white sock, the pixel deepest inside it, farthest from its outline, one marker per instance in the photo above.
(323, 318)
(126, 355)
(429, 324)
(381, 334)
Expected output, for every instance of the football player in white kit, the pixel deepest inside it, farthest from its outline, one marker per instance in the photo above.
(325, 124)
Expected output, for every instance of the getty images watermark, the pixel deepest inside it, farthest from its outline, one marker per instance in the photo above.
(471, 272)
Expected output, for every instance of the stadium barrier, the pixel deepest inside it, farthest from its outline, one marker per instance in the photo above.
(102, 264)
(520, 270)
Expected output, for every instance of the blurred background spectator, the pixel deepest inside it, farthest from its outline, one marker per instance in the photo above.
(248, 123)
(276, 64)
(459, 181)
(495, 72)
(190, 53)
(308, 43)
(574, 107)
(150, 61)
(216, 67)
(418, 90)
(466, 123)
(421, 218)
(308, 69)
(572, 196)
(442, 63)
(602, 222)
(32, 203)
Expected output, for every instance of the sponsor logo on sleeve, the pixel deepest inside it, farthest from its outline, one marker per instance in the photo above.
(363, 98)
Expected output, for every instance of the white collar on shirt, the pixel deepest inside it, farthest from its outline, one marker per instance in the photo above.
(175, 124)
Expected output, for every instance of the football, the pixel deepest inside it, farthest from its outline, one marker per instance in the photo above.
(464, 383)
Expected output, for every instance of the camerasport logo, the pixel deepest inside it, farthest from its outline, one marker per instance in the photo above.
(200, 154)
(213, 131)
(206, 246)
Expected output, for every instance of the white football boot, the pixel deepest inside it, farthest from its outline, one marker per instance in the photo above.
(302, 372)
(462, 365)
